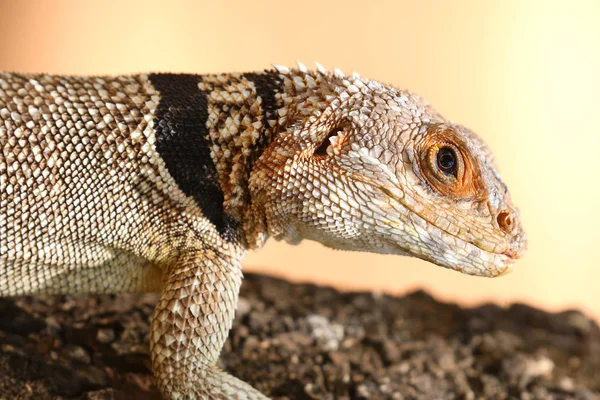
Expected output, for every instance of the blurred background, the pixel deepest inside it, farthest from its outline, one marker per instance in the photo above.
(523, 74)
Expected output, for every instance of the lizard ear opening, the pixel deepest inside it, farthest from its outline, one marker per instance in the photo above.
(332, 141)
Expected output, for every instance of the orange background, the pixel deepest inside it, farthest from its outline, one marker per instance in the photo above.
(523, 74)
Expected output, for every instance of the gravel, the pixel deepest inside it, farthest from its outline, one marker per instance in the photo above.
(298, 341)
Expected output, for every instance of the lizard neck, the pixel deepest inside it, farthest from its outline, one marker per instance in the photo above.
(211, 130)
(251, 119)
(243, 118)
(241, 123)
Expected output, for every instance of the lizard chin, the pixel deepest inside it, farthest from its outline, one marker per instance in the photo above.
(459, 255)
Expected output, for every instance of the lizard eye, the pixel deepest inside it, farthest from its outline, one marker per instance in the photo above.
(447, 161)
(446, 164)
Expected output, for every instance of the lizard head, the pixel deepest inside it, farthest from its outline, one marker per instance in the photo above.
(368, 167)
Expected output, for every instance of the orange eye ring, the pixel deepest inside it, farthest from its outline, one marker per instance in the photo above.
(446, 164)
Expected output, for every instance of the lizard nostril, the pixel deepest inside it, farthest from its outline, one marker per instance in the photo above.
(505, 221)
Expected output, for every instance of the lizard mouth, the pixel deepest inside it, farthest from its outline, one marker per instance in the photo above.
(487, 264)
(496, 263)
(507, 251)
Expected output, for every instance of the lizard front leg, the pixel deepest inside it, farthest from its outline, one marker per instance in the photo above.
(189, 327)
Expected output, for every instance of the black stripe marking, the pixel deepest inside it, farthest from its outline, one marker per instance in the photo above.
(183, 143)
(267, 84)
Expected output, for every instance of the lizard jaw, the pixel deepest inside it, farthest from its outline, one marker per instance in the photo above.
(491, 263)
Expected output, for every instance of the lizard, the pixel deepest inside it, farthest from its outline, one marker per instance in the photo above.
(163, 182)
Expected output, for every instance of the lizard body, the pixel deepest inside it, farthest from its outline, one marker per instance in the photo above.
(163, 182)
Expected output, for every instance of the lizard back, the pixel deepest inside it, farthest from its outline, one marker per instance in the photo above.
(102, 179)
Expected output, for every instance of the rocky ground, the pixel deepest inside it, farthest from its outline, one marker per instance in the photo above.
(306, 342)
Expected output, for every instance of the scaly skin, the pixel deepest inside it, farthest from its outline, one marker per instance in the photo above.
(162, 182)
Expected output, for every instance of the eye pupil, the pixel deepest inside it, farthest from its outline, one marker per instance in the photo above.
(446, 160)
